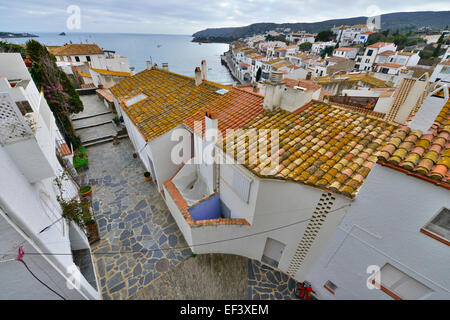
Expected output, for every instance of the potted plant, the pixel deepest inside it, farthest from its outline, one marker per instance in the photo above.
(80, 158)
(86, 191)
(72, 211)
(147, 176)
(91, 225)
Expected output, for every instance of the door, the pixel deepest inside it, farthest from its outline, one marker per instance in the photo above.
(273, 252)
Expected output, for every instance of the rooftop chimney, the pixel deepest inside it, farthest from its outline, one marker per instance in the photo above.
(273, 91)
(149, 65)
(198, 76)
(204, 70)
(309, 75)
(165, 66)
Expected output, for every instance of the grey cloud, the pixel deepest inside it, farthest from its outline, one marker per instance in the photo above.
(186, 17)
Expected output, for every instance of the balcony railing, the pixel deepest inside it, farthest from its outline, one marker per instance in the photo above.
(13, 125)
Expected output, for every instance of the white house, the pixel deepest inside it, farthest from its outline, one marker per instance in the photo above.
(300, 38)
(366, 61)
(280, 209)
(319, 46)
(93, 64)
(393, 242)
(31, 157)
(345, 52)
(441, 72)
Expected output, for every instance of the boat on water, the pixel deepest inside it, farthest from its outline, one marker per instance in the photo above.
(62, 34)
(159, 46)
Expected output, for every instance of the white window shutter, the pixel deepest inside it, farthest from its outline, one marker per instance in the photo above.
(241, 185)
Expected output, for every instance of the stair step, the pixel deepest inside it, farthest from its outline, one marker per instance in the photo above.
(100, 140)
(91, 116)
(93, 125)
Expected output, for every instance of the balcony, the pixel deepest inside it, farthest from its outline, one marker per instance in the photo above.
(25, 135)
(198, 210)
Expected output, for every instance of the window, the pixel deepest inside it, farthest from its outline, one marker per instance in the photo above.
(367, 60)
(88, 58)
(439, 227)
(399, 285)
(77, 59)
(330, 286)
(369, 53)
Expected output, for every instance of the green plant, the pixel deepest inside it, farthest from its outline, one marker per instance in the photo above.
(116, 120)
(85, 189)
(86, 211)
(72, 209)
(81, 158)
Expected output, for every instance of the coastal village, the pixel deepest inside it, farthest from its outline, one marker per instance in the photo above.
(328, 175)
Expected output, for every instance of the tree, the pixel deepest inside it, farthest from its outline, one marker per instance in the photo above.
(437, 50)
(305, 46)
(386, 32)
(327, 51)
(325, 35)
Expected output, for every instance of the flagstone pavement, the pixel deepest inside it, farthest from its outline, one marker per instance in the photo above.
(142, 248)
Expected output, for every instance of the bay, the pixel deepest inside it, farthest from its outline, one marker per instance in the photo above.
(182, 55)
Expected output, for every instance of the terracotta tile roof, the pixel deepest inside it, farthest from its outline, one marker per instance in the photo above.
(105, 95)
(380, 44)
(406, 53)
(390, 65)
(87, 86)
(169, 99)
(336, 59)
(327, 147)
(307, 84)
(426, 156)
(346, 49)
(85, 74)
(76, 49)
(235, 110)
(387, 53)
(354, 78)
(445, 63)
(112, 73)
(273, 61)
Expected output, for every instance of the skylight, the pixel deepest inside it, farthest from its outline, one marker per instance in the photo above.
(136, 99)
(222, 91)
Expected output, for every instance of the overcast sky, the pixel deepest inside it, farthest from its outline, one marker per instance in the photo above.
(188, 16)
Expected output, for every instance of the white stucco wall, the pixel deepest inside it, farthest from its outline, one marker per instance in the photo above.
(383, 226)
(32, 207)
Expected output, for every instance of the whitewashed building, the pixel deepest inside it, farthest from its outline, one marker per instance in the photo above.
(393, 242)
(441, 72)
(366, 61)
(282, 215)
(31, 157)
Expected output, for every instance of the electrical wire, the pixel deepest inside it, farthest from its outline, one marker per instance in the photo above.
(144, 251)
(42, 282)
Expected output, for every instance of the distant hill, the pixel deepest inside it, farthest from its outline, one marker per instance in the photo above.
(16, 35)
(393, 21)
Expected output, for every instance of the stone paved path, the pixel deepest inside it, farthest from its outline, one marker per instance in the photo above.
(135, 225)
(205, 277)
(265, 283)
